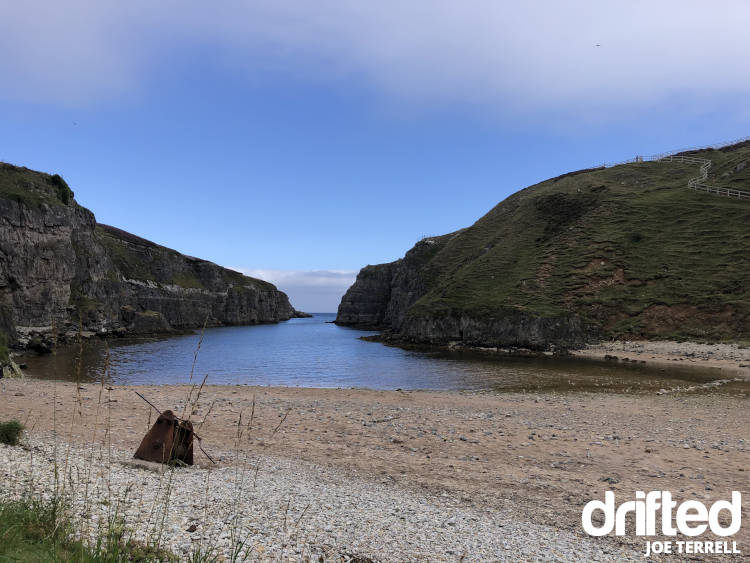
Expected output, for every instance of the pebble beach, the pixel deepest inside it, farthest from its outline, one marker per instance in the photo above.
(289, 511)
(364, 475)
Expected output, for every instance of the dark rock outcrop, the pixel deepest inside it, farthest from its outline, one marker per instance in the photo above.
(513, 329)
(382, 295)
(61, 273)
(365, 303)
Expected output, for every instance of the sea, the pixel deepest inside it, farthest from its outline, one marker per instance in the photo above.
(314, 352)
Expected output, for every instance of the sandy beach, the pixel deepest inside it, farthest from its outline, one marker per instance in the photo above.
(733, 359)
(535, 458)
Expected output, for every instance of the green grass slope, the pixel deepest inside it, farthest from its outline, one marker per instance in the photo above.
(33, 188)
(628, 248)
(141, 259)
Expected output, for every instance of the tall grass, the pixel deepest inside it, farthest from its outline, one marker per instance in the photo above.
(42, 525)
(36, 530)
(68, 531)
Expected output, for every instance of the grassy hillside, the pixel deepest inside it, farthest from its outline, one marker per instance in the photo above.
(33, 188)
(141, 259)
(629, 248)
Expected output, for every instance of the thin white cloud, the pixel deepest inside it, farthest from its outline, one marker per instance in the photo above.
(317, 291)
(508, 56)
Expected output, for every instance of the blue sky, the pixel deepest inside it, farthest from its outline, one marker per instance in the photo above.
(299, 141)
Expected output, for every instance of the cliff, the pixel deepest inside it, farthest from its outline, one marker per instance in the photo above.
(61, 272)
(624, 252)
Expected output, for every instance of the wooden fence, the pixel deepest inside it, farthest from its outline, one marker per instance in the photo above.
(697, 183)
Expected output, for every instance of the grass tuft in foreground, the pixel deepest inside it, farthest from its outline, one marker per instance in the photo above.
(33, 530)
(10, 432)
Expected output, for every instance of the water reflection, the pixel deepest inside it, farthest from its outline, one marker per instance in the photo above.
(315, 353)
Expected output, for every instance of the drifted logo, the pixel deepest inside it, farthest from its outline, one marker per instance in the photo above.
(692, 518)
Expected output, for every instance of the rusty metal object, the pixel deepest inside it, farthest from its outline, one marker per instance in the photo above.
(183, 442)
(169, 439)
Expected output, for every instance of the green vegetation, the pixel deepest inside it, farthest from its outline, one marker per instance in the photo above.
(239, 279)
(131, 264)
(85, 306)
(33, 188)
(10, 432)
(187, 279)
(64, 193)
(140, 259)
(33, 530)
(4, 352)
(628, 248)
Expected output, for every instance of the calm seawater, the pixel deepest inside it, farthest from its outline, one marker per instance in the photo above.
(314, 353)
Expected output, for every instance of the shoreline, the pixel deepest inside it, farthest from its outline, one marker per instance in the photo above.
(731, 358)
(526, 457)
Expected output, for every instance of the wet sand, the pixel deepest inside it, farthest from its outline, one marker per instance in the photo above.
(732, 359)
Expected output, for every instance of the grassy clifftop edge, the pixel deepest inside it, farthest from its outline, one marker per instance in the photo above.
(628, 250)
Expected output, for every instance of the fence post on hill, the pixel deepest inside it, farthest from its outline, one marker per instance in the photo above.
(696, 183)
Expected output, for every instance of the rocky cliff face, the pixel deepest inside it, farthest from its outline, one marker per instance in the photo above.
(624, 252)
(511, 329)
(382, 296)
(61, 272)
